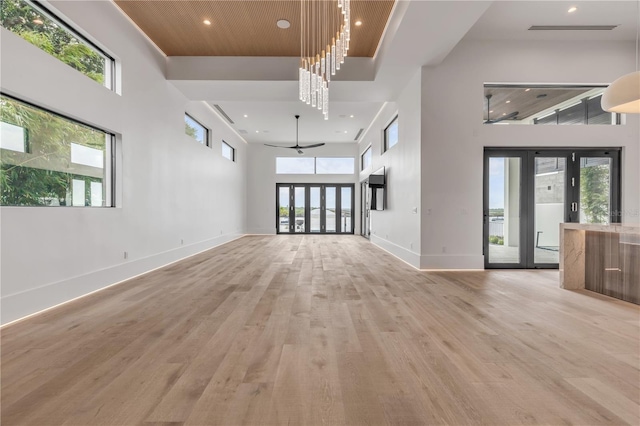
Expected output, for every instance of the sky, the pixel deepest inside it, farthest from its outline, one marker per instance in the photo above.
(496, 183)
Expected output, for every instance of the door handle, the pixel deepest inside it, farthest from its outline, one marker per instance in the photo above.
(574, 206)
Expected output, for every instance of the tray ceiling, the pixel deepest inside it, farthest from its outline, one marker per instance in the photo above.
(244, 28)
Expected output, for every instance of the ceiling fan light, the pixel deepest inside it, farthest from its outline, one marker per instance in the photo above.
(623, 95)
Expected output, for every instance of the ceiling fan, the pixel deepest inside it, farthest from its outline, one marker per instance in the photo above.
(297, 147)
(497, 120)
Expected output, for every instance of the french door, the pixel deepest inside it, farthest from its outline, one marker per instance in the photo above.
(314, 208)
(529, 192)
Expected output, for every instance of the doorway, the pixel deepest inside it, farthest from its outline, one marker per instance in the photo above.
(314, 208)
(529, 192)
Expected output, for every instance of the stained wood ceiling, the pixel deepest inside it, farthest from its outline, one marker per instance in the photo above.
(244, 28)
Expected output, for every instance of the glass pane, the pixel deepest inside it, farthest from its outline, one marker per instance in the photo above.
(295, 165)
(504, 210)
(314, 204)
(283, 219)
(227, 151)
(335, 166)
(366, 158)
(44, 31)
(194, 129)
(391, 134)
(345, 209)
(47, 169)
(299, 208)
(550, 179)
(330, 195)
(595, 190)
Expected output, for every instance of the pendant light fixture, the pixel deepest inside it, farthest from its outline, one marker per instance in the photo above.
(325, 33)
(623, 95)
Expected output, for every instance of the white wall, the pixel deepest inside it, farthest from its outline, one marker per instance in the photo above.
(262, 179)
(453, 136)
(397, 228)
(171, 188)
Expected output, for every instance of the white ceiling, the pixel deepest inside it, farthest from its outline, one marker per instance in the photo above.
(266, 88)
(510, 20)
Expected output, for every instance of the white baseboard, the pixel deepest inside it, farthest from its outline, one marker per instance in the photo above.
(452, 261)
(19, 305)
(401, 253)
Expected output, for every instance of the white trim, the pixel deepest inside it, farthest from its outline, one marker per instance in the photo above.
(407, 256)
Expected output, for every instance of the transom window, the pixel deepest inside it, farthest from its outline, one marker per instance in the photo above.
(365, 159)
(391, 134)
(37, 25)
(315, 165)
(196, 130)
(50, 160)
(228, 151)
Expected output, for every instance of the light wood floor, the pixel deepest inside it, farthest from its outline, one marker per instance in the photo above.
(309, 330)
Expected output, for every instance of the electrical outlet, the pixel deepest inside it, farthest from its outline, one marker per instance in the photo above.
(411, 246)
(181, 242)
(444, 249)
(126, 255)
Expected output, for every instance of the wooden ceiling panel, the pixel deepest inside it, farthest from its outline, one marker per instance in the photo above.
(244, 27)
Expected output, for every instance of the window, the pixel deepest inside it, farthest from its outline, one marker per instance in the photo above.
(391, 134)
(335, 166)
(228, 151)
(545, 104)
(365, 159)
(196, 130)
(50, 160)
(318, 166)
(295, 166)
(38, 26)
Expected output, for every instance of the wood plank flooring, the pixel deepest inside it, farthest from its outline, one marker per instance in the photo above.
(324, 330)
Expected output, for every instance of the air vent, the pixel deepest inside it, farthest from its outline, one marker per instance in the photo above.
(242, 131)
(358, 135)
(572, 27)
(224, 114)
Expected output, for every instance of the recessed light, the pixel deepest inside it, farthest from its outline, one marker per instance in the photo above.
(283, 24)
(508, 102)
(206, 22)
(572, 9)
(491, 111)
(346, 131)
(504, 113)
(351, 116)
(526, 90)
(38, 21)
(257, 131)
(358, 23)
(246, 116)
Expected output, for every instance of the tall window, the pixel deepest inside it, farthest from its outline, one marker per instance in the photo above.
(391, 134)
(50, 160)
(38, 26)
(196, 130)
(365, 159)
(228, 151)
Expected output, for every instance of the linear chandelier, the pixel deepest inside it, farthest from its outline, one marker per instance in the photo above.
(325, 32)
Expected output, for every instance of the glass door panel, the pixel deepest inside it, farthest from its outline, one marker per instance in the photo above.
(550, 180)
(595, 189)
(504, 211)
(299, 209)
(345, 209)
(314, 209)
(283, 209)
(330, 202)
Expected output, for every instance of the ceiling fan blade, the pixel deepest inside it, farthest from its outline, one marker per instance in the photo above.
(299, 151)
(315, 145)
(504, 117)
(278, 146)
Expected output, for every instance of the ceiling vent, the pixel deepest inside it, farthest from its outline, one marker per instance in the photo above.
(242, 131)
(572, 27)
(358, 135)
(224, 114)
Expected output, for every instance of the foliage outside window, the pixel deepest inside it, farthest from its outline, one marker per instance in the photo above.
(391, 134)
(49, 160)
(228, 151)
(366, 159)
(39, 27)
(196, 130)
(595, 181)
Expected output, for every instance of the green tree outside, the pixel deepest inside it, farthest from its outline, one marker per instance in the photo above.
(594, 193)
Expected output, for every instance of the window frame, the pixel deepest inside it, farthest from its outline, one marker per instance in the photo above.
(362, 166)
(233, 151)
(37, 5)
(207, 131)
(110, 160)
(385, 132)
